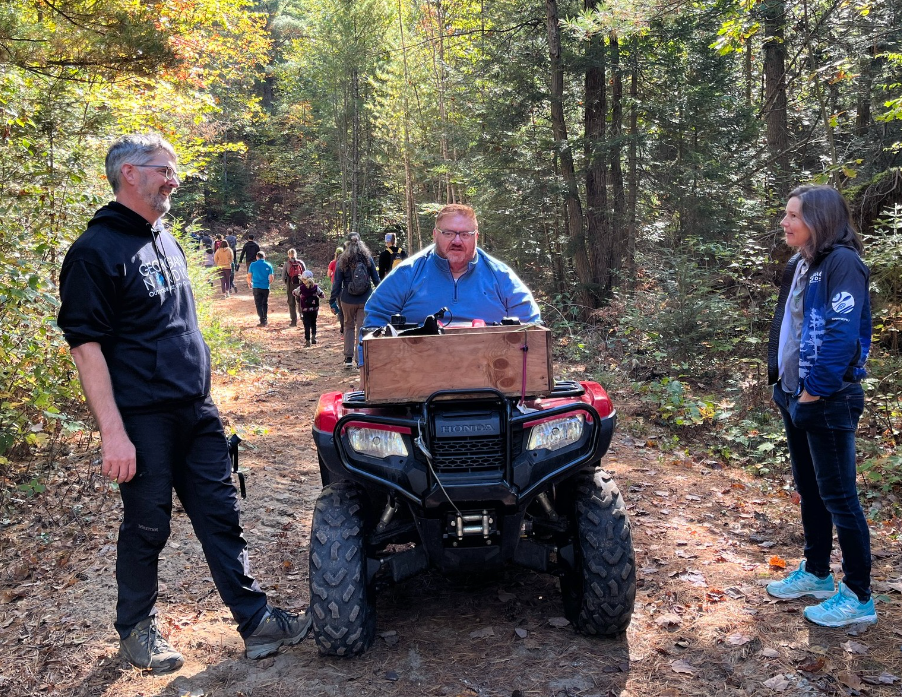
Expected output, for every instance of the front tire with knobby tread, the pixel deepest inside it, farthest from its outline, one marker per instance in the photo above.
(344, 618)
(600, 592)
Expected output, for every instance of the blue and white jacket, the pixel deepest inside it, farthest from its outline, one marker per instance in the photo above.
(423, 284)
(836, 328)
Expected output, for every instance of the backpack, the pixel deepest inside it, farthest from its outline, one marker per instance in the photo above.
(295, 269)
(397, 256)
(360, 279)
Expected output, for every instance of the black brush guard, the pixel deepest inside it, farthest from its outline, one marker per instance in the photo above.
(472, 481)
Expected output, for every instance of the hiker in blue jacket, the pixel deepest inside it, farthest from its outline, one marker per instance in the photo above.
(819, 342)
(452, 273)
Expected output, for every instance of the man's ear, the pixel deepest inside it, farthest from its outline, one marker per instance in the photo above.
(129, 173)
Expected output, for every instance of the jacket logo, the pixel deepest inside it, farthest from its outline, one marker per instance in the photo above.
(843, 303)
(815, 277)
(468, 428)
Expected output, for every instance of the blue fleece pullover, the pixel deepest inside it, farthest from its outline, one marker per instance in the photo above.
(836, 327)
(423, 284)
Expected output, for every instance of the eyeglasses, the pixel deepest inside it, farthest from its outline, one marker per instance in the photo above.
(451, 234)
(168, 173)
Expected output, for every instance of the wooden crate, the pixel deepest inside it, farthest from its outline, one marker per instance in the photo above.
(412, 368)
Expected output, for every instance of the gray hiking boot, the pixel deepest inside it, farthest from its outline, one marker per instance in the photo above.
(277, 628)
(145, 648)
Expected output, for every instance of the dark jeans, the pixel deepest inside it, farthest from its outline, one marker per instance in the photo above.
(309, 319)
(225, 279)
(293, 302)
(821, 440)
(183, 448)
(261, 300)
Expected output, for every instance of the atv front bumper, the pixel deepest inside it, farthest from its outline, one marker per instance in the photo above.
(476, 451)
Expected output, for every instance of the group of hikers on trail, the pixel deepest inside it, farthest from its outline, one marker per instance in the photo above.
(128, 314)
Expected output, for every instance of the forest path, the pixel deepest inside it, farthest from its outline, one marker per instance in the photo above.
(704, 535)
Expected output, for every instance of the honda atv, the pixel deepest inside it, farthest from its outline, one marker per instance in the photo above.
(467, 481)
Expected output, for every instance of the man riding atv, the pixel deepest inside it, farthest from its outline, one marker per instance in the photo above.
(453, 273)
(464, 480)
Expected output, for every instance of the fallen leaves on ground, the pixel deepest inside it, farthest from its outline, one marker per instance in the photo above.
(778, 683)
(738, 639)
(681, 666)
(855, 647)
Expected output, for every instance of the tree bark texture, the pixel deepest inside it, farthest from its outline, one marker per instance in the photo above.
(598, 223)
(573, 208)
(775, 94)
(618, 219)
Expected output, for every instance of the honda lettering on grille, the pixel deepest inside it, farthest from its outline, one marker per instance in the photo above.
(467, 428)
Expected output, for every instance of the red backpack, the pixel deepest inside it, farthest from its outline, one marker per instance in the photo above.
(295, 269)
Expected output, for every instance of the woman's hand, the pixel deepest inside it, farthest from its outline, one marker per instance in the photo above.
(804, 398)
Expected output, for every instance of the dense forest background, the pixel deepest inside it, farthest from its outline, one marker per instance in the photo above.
(631, 160)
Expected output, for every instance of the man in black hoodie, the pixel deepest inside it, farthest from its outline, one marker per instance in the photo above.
(249, 252)
(128, 315)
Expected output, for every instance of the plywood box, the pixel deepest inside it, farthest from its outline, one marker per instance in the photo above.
(410, 368)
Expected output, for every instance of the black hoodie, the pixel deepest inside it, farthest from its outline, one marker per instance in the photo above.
(125, 285)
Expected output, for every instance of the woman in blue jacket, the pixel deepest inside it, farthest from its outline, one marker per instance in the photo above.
(819, 341)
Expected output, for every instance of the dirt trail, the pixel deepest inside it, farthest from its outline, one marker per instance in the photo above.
(704, 537)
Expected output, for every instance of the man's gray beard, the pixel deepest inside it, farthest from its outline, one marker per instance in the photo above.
(159, 203)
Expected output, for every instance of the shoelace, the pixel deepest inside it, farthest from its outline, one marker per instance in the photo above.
(152, 640)
(794, 576)
(283, 619)
(834, 600)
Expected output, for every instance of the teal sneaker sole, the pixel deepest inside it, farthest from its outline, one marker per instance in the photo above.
(820, 595)
(864, 619)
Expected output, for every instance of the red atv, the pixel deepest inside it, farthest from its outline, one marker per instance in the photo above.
(467, 481)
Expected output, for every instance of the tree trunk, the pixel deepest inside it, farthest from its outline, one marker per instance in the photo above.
(775, 94)
(865, 85)
(598, 224)
(632, 163)
(747, 70)
(574, 214)
(414, 241)
(355, 149)
(438, 68)
(618, 219)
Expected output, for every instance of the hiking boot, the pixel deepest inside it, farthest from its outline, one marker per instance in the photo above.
(307, 343)
(800, 583)
(145, 648)
(277, 628)
(313, 340)
(841, 610)
(349, 362)
(293, 324)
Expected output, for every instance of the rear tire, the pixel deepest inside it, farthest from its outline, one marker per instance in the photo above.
(344, 618)
(599, 593)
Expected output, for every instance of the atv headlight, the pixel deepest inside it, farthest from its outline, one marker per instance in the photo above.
(376, 442)
(557, 433)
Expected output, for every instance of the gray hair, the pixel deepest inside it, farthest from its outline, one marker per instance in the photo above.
(136, 149)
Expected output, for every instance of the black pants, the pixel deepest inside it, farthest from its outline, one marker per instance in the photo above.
(309, 319)
(821, 440)
(183, 448)
(261, 300)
